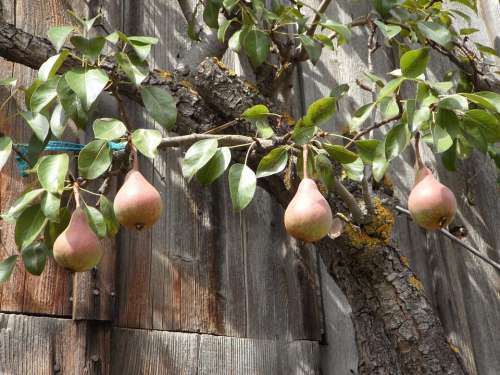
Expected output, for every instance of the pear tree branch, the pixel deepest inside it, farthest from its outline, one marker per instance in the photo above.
(458, 241)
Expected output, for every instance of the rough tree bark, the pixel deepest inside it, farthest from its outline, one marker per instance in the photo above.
(397, 332)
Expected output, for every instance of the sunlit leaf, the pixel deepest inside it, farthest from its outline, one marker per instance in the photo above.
(50, 67)
(58, 35)
(160, 105)
(29, 226)
(274, 162)
(35, 257)
(340, 153)
(109, 129)
(414, 63)
(320, 111)
(87, 84)
(146, 141)
(52, 170)
(94, 159)
(197, 156)
(96, 221)
(38, 123)
(215, 167)
(58, 121)
(6, 267)
(242, 185)
(256, 44)
(5, 150)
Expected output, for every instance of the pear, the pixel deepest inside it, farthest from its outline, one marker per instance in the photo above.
(432, 205)
(77, 248)
(137, 204)
(308, 217)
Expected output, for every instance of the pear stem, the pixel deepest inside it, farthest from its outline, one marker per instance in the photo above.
(418, 162)
(76, 191)
(135, 159)
(305, 152)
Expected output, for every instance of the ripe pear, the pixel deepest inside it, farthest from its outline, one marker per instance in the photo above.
(432, 205)
(137, 204)
(308, 217)
(77, 248)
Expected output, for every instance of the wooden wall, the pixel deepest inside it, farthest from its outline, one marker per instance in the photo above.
(209, 291)
(206, 291)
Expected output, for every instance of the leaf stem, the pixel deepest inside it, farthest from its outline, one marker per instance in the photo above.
(8, 99)
(248, 152)
(90, 192)
(222, 127)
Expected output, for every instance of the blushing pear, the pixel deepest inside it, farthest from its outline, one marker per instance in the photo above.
(137, 204)
(308, 217)
(432, 205)
(77, 248)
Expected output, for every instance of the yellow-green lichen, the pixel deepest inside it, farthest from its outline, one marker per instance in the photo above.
(382, 223)
(455, 348)
(405, 261)
(165, 74)
(251, 86)
(358, 238)
(377, 233)
(289, 119)
(387, 183)
(416, 283)
(224, 67)
(187, 84)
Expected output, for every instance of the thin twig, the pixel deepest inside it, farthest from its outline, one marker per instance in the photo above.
(222, 127)
(21, 155)
(367, 192)
(121, 107)
(223, 139)
(186, 9)
(321, 9)
(460, 242)
(373, 127)
(349, 200)
(363, 86)
(365, 182)
(301, 54)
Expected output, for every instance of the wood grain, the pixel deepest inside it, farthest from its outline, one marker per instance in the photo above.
(93, 293)
(463, 290)
(49, 293)
(204, 268)
(186, 354)
(46, 346)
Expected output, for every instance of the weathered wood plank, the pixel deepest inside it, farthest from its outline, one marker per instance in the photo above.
(223, 355)
(463, 290)
(338, 353)
(198, 269)
(94, 292)
(45, 346)
(49, 293)
(137, 351)
(342, 66)
(188, 353)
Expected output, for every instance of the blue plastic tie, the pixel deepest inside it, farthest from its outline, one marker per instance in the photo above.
(23, 166)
